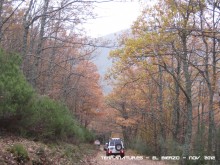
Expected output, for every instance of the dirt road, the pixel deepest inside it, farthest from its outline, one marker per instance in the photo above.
(129, 159)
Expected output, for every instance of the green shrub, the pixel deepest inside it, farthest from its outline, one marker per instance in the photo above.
(24, 110)
(20, 153)
(47, 118)
(87, 135)
(15, 92)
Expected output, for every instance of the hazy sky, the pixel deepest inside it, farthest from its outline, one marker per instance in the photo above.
(113, 17)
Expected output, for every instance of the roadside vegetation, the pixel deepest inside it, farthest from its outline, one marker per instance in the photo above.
(17, 150)
(49, 87)
(25, 113)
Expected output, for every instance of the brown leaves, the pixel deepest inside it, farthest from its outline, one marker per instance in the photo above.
(126, 122)
(40, 153)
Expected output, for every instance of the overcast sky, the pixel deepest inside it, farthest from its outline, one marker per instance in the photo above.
(113, 17)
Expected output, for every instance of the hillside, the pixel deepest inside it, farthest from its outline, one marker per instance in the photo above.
(102, 60)
(35, 129)
(16, 150)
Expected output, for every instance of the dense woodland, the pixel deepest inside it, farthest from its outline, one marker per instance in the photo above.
(166, 79)
(165, 76)
(48, 85)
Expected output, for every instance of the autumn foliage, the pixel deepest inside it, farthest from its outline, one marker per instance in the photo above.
(166, 80)
(55, 57)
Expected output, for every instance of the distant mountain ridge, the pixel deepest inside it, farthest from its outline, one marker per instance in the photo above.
(101, 59)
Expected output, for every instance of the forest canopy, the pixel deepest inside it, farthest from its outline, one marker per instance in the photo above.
(49, 86)
(166, 79)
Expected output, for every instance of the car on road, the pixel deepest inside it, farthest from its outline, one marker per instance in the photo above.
(115, 147)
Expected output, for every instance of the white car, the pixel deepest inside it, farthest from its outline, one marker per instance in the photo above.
(115, 147)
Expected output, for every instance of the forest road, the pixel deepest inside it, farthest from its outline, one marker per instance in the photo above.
(129, 159)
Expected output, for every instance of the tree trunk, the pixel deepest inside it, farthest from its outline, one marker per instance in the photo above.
(188, 87)
(26, 26)
(162, 135)
(49, 83)
(36, 69)
(176, 105)
(1, 19)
